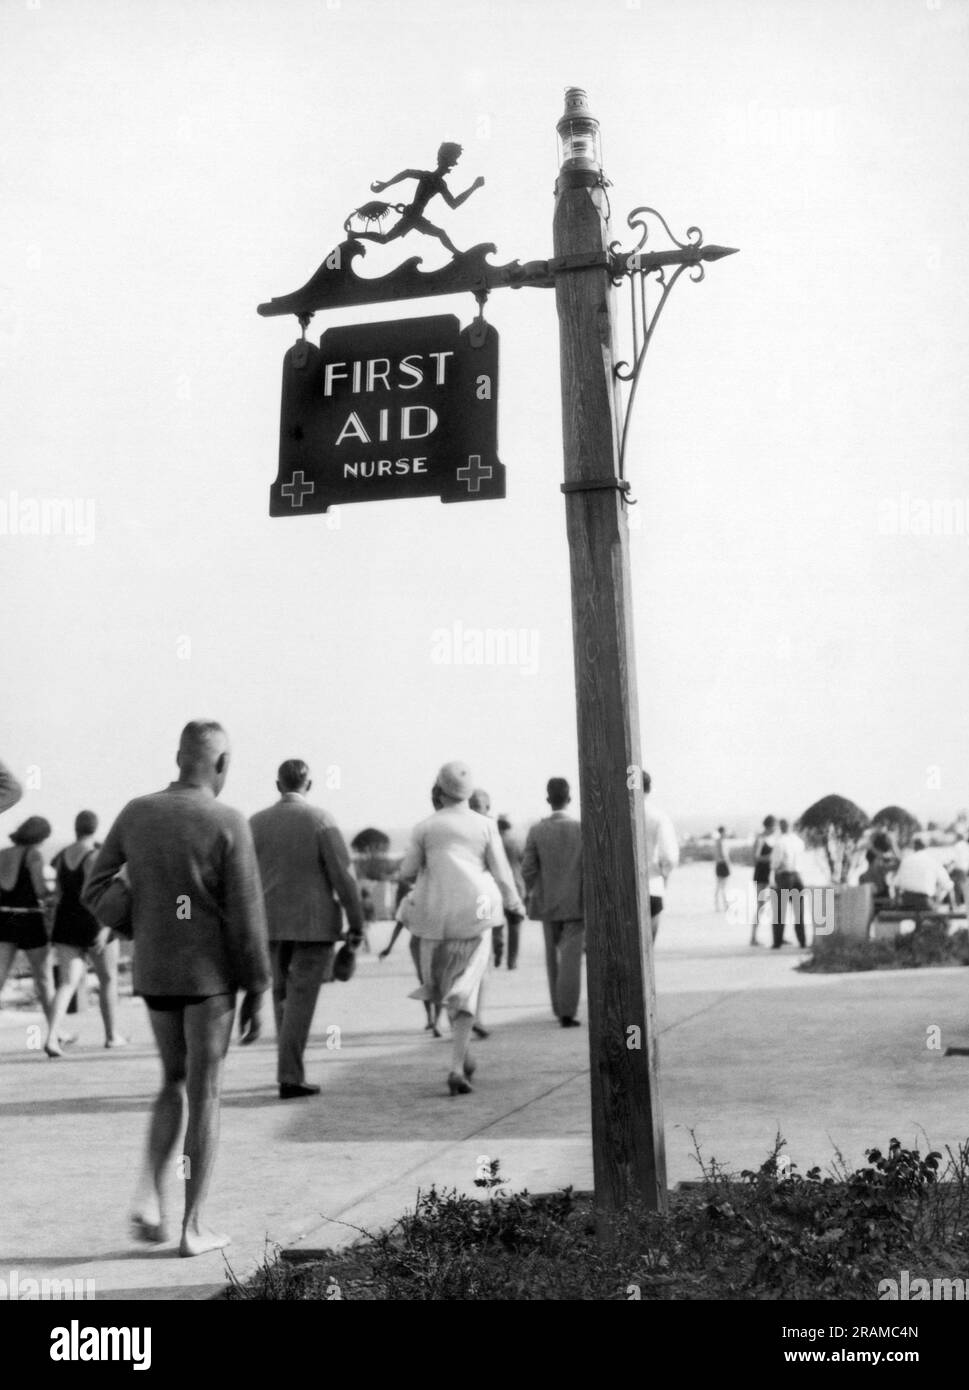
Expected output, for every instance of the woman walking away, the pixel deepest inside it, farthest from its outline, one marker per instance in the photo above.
(464, 885)
(23, 894)
(763, 850)
(78, 937)
(721, 871)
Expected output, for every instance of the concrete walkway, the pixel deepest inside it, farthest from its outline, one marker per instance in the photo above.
(748, 1047)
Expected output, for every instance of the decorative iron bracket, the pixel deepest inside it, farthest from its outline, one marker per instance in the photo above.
(336, 285)
(637, 265)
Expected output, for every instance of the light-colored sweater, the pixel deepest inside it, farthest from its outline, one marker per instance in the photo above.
(197, 907)
(464, 882)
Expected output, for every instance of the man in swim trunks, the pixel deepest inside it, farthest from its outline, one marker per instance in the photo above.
(199, 937)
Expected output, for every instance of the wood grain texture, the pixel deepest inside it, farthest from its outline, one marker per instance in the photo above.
(627, 1121)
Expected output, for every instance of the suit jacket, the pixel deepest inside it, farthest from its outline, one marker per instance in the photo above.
(552, 868)
(10, 789)
(305, 869)
(196, 903)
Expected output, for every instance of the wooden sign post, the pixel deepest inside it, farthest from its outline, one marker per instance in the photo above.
(627, 1118)
(410, 409)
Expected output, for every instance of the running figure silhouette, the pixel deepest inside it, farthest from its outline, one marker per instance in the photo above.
(430, 183)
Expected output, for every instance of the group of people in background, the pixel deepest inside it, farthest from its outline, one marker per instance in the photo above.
(220, 907)
(778, 854)
(922, 877)
(77, 940)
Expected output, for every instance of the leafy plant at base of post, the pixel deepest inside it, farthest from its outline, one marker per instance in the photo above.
(769, 1233)
(835, 825)
(457, 1247)
(815, 1233)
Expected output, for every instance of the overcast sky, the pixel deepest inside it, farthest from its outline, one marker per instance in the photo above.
(803, 421)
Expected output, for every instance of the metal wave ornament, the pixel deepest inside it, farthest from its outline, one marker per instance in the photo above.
(636, 266)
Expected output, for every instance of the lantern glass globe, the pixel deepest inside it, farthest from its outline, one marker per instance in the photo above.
(579, 133)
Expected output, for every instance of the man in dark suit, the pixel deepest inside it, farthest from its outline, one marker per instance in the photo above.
(10, 789)
(304, 867)
(552, 870)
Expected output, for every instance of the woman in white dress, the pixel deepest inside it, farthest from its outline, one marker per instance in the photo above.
(463, 886)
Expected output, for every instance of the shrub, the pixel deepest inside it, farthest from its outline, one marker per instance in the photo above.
(769, 1233)
(930, 944)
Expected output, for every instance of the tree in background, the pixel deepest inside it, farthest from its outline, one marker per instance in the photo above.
(370, 853)
(900, 824)
(836, 825)
(370, 841)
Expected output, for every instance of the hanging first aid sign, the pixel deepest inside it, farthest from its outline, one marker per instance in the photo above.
(384, 410)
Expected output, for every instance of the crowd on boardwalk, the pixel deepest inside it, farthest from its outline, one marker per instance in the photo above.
(920, 878)
(219, 907)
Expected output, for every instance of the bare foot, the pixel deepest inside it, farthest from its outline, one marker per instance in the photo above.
(152, 1232)
(52, 1049)
(201, 1242)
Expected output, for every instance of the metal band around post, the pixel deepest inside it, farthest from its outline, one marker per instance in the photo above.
(594, 484)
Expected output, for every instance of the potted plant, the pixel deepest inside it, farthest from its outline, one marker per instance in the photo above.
(836, 826)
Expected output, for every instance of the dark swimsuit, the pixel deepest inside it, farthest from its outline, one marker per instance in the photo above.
(73, 924)
(24, 929)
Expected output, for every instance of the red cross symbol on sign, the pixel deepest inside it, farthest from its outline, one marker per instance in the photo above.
(473, 471)
(297, 487)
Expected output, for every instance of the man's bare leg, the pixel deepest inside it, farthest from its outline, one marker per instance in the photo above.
(208, 1029)
(443, 237)
(149, 1213)
(421, 224)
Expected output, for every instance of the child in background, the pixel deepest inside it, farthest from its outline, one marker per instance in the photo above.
(401, 920)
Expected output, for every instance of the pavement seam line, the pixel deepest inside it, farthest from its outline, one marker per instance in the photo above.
(729, 994)
(452, 1144)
